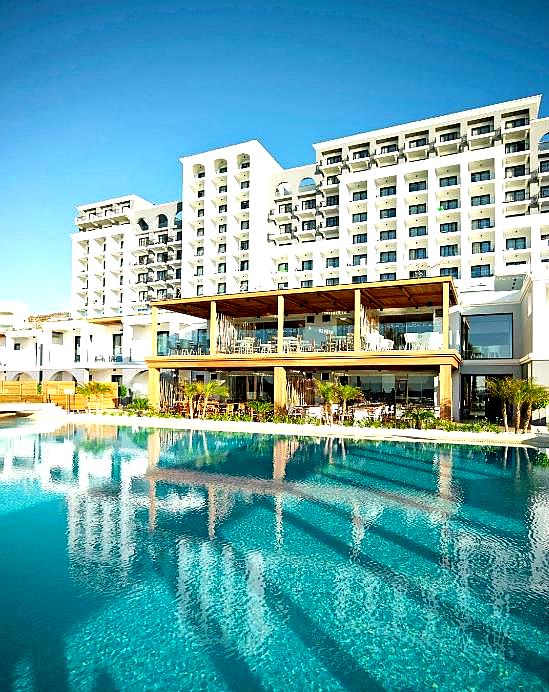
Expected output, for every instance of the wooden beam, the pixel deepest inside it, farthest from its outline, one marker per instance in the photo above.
(154, 388)
(445, 315)
(370, 300)
(280, 391)
(213, 328)
(357, 345)
(445, 391)
(280, 325)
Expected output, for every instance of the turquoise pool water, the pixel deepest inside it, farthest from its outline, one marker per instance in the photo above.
(164, 560)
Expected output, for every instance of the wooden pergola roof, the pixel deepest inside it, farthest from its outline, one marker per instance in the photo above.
(408, 293)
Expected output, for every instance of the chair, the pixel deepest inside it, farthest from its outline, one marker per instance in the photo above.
(411, 339)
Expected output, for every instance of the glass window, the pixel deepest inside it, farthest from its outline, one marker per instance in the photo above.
(478, 176)
(387, 191)
(515, 243)
(389, 256)
(359, 260)
(362, 154)
(221, 248)
(479, 271)
(481, 223)
(244, 244)
(332, 262)
(332, 180)
(446, 204)
(389, 148)
(308, 283)
(448, 180)
(451, 227)
(245, 184)
(283, 285)
(283, 266)
(544, 191)
(448, 136)
(387, 276)
(417, 186)
(544, 166)
(221, 288)
(221, 268)
(360, 279)
(284, 208)
(222, 228)
(487, 336)
(358, 218)
(482, 246)
(388, 235)
(332, 282)
(243, 286)
(360, 238)
(331, 200)
(450, 271)
(244, 265)
(308, 225)
(361, 194)
(478, 200)
(449, 250)
(244, 225)
(418, 253)
(333, 159)
(308, 204)
(388, 213)
(415, 231)
(332, 221)
(481, 129)
(200, 290)
(306, 265)
(417, 209)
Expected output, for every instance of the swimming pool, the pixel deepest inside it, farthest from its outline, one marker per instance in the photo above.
(173, 560)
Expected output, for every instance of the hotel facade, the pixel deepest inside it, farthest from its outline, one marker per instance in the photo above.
(458, 200)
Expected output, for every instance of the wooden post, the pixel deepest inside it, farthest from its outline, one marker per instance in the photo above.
(154, 387)
(446, 315)
(213, 328)
(357, 345)
(154, 330)
(280, 330)
(445, 391)
(280, 392)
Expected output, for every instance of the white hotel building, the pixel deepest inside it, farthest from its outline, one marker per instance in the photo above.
(463, 195)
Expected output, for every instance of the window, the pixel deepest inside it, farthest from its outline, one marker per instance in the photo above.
(200, 213)
(446, 204)
(141, 278)
(161, 294)
(245, 184)
(282, 267)
(515, 243)
(178, 235)
(244, 244)
(361, 194)
(244, 225)
(480, 270)
(332, 262)
(420, 142)
(178, 273)
(515, 196)
(243, 286)
(221, 288)
(332, 180)
(418, 253)
(221, 268)
(448, 181)
(333, 159)
(417, 273)
(513, 147)
(360, 260)
(481, 129)
(450, 271)
(244, 265)
(544, 191)
(388, 213)
(362, 154)
(360, 238)
(306, 265)
(221, 248)
(162, 221)
(449, 250)
(308, 204)
(308, 225)
(388, 235)
(57, 338)
(483, 246)
(285, 228)
(387, 191)
(332, 282)
(515, 171)
(417, 186)
(222, 209)
(517, 122)
(222, 188)
(161, 275)
(544, 166)
(360, 218)
(199, 251)
(222, 228)
(199, 232)
(389, 148)
(359, 279)
(178, 254)
(449, 136)
(478, 224)
(308, 283)
(331, 200)
(223, 169)
(417, 209)
(332, 221)
(200, 194)
(200, 290)
(245, 204)
(283, 285)
(415, 231)
(143, 296)
(478, 200)
(450, 227)
(201, 174)
(163, 239)
(487, 336)
(479, 176)
(16, 346)
(387, 276)
(143, 242)
(389, 256)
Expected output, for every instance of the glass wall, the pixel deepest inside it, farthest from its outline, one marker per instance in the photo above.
(487, 336)
(475, 400)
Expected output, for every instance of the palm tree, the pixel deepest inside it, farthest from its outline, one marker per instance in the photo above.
(519, 392)
(189, 391)
(346, 393)
(502, 389)
(207, 390)
(535, 396)
(93, 390)
(328, 391)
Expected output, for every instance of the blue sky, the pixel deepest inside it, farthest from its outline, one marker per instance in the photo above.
(100, 99)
